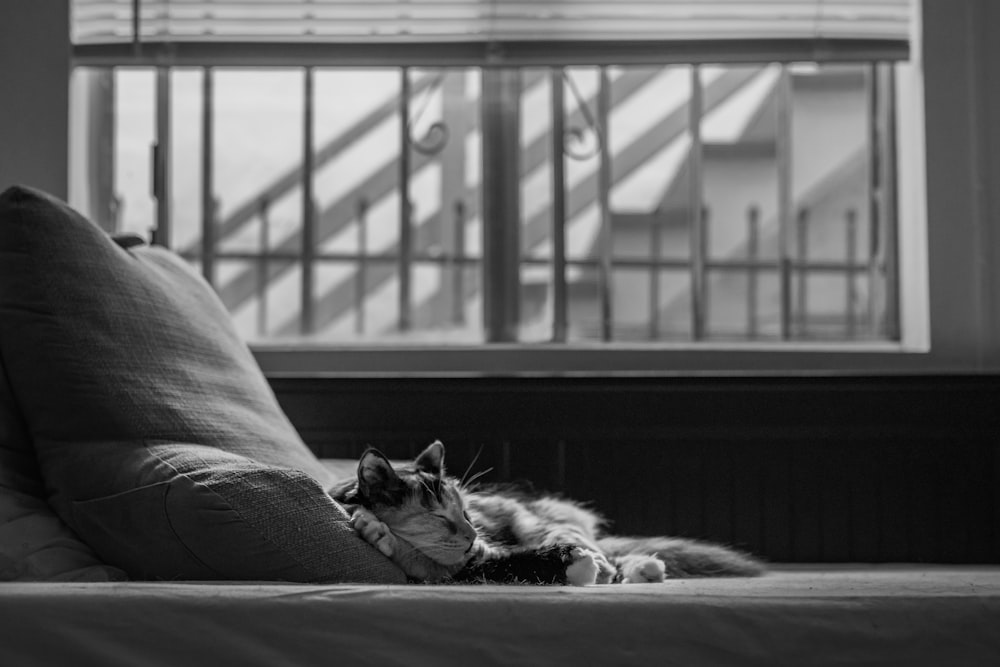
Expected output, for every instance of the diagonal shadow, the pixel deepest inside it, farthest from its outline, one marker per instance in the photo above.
(536, 229)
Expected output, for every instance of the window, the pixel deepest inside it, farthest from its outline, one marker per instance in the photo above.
(717, 177)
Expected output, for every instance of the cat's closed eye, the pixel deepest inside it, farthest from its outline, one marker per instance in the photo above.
(447, 522)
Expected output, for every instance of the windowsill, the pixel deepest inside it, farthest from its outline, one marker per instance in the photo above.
(596, 359)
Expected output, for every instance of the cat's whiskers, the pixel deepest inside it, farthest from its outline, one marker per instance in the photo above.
(466, 485)
(461, 482)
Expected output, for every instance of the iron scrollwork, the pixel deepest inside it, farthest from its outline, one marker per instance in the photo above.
(437, 134)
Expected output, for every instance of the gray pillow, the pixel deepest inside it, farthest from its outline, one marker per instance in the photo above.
(35, 545)
(159, 439)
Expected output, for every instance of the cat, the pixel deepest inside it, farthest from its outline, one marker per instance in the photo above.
(437, 529)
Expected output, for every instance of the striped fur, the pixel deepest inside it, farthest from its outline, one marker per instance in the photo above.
(439, 530)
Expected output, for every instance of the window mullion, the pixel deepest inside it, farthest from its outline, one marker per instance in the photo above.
(361, 270)
(883, 261)
(263, 266)
(890, 222)
(802, 231)
(208, 207)
(501, 175)
(753, 258)
(784, 155)
(696, 208)
(405, 208)
(560, 313)
(161, 160)
(656, 224)
(604, 203)
(308, 208)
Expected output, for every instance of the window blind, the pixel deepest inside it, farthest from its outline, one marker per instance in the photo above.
(486, 21)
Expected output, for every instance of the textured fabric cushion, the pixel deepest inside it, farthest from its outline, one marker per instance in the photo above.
(115, 353)
(35, 545)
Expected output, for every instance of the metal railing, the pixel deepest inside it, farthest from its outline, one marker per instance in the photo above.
(789, 229)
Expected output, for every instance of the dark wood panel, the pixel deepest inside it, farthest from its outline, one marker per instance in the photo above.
(830, 469)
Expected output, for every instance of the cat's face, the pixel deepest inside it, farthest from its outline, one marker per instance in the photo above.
(419, 504)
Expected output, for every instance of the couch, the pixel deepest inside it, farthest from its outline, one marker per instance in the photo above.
(158, 507)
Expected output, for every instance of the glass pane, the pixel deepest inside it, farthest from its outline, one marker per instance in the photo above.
(257, 157)
(358, 135)
(740, 183)
(583, 218)
(186, 98)
(135, 134)
(650, 144)
(537, 193)
(835, 244)
(262, 309)
(633, 293)
(831, 158)
(673, 296)
(649, 141)
(583, 304)
(356, 185)
(91, 147)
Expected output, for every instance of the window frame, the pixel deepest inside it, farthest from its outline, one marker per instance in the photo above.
(603, 358)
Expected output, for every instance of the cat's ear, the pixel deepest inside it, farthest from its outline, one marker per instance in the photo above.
(431, 459)
(374, 472)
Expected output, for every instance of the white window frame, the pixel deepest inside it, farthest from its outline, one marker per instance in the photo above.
(616, 358)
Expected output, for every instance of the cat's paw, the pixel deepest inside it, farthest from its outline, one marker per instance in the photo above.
(643, 570)
(583, 567)
(373, 531)
(605, 570)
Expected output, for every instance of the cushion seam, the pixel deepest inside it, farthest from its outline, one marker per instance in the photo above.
(215, 493)
(180, 540)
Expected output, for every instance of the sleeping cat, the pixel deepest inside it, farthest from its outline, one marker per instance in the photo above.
(437, 529)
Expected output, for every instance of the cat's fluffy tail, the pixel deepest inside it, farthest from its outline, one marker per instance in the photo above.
(684, 557)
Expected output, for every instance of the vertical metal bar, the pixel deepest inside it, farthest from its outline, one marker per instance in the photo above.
(705, 244)
(604, 204)
(851, 296)
(501, 206)
(874, 193)
(263, 265)
(695, 206)
(208, 207)
(361, 279)
(405, 208)
(882, 259)
(888, 220)
(753, 257)
(458, 266)
(308, 208)
(560, 311)
(161, 160)
(802, 262)
(656, 258)
(784, 151)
